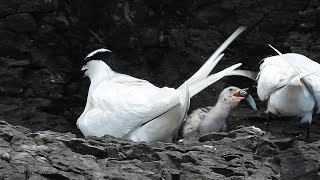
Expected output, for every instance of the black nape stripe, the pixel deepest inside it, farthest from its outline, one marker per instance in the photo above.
(114, 61)
(106, 56)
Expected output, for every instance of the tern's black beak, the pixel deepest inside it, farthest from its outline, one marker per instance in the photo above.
(244, 93)
(83, 70)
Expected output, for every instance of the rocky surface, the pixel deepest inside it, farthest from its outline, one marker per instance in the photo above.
(244, 153)
(42, 46)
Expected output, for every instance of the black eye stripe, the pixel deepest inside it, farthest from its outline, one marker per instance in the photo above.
(86, 60)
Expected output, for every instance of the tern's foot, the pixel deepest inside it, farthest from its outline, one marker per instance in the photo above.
(264, 117)
(308, 133)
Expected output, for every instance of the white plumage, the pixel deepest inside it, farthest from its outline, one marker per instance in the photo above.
(291, 85)
(124, 106)
(213, 119)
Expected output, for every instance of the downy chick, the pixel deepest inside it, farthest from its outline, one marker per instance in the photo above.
(213, 119)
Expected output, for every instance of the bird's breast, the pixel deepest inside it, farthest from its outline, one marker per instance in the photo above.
(292, 101)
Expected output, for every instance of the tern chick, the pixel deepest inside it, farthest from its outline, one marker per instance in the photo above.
(213, 119)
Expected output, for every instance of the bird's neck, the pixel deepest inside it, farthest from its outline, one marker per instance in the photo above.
(220, 111)
(223, 107)
(95, 79)
(216, 118)
(101, 75)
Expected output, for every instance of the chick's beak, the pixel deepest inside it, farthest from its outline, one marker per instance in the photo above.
(245, 95)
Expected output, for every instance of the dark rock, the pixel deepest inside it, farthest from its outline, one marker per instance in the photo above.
(267, 149)
(62, 22)
(38, 6)
(23, 22)
(7, 39)
(7, 7)
(150, 37)
(49, 154)
(213, 137)
(298, 161)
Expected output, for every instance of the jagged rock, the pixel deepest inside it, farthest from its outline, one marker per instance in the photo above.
(48, 154)
(300, 160)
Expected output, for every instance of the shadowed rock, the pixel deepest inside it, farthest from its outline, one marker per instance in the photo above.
(245, 154)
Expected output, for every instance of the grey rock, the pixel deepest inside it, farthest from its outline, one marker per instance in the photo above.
(48, 154)
(213, 137)
(300, 160)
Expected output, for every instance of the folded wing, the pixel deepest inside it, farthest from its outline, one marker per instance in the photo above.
(277, 71)
(124, 103)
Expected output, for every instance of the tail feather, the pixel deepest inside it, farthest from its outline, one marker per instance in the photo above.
(207, 67)
(299, 77)
(300, 73)
(249, 74)
(183, 108)
(276, 50)
(201, 85)
(296, 68)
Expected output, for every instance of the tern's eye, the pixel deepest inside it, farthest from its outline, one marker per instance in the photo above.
(86, 60)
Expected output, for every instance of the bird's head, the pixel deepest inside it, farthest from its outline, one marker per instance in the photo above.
(232, 96)
(95, 63)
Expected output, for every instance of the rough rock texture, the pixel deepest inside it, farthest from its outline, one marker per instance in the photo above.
(244, 153)
(42, 46)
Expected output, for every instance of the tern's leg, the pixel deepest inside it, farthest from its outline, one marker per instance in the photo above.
(307, 119)
(268, 120)
(308, 132)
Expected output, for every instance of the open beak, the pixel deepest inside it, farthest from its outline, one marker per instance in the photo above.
(245, 95)
(84, 69)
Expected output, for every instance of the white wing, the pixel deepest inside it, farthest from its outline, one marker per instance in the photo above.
(277, 71)
(304, 65)
(124, 103)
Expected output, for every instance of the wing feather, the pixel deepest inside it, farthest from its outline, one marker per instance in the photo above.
(130, 102)
(278, 71)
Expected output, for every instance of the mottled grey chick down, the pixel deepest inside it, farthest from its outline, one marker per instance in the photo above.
(211, 119)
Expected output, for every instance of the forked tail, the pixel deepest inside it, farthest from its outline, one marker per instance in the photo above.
(199, 86)
(207, 67)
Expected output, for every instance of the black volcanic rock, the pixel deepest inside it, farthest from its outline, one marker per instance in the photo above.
(53, 155)
(49, 154)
